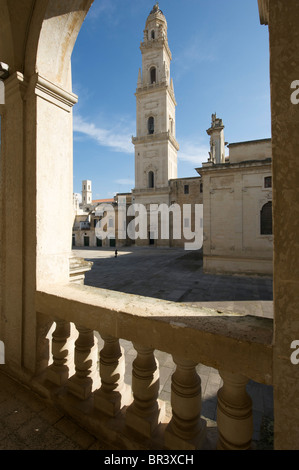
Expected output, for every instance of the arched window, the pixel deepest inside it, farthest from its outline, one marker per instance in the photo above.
(153, 75)
(151, 179)
(153, 34)
(266, 219)
(151, 125)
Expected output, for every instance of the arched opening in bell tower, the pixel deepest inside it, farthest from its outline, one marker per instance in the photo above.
(153, 75)
(151, 179)
(151, 125)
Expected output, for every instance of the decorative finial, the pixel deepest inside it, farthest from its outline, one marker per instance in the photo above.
(156, 9)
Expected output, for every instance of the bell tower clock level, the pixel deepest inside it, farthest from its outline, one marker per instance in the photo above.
(155, 143)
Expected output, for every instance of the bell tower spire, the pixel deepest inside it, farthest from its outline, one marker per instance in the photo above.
(155, 143)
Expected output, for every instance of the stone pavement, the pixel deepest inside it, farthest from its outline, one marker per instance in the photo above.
(27, 422)
(176, 275)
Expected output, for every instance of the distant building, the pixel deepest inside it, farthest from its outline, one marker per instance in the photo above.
(102, 222)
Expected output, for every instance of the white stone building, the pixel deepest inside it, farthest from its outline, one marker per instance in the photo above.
(237, 205)
(155, 143)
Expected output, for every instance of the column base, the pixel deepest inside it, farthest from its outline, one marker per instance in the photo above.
(174, 442)
(145, 425)
(58, 375)
(111, 403)
(82, 388)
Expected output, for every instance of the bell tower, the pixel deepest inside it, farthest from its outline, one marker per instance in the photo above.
(155, 143)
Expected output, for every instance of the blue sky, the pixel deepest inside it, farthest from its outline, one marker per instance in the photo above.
(220, 63)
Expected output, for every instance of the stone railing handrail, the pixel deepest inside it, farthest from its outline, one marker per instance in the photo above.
(225, 341)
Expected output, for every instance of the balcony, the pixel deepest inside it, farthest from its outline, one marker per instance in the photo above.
(81, 367)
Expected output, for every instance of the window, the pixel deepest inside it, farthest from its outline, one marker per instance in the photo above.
(268, 182)
(151, 179)
(186, 189)
(151, 125)
(200, 188)
(153, 34)
(153, 74)
(266, 219)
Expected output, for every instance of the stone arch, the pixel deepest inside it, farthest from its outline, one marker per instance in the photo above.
(60, 28)
(153, 170)
(39, 36)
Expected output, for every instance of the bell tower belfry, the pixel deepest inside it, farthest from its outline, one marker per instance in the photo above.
(155, 143)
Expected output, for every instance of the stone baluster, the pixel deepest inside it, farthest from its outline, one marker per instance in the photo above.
(63, 353)
(234, 413)
(86, 378)
(186, 430)
(114, 393)
(146, 411)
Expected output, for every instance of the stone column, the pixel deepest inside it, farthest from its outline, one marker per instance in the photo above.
(186, 430)
(234, 413)
(114, 393)
(63, 353)
(146, 411)
(86, 379)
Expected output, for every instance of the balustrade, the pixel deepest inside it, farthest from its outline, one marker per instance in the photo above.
(127, 412)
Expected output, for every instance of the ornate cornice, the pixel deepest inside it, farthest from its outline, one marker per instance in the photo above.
(151, 138)
(152, 88)
(156, 44)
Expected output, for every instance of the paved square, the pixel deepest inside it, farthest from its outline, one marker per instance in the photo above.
(176, 275)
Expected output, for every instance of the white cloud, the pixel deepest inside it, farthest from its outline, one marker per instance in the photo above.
(125, 181)
(198, 50)
(117, 140)
(193, 152)
(99, 7)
